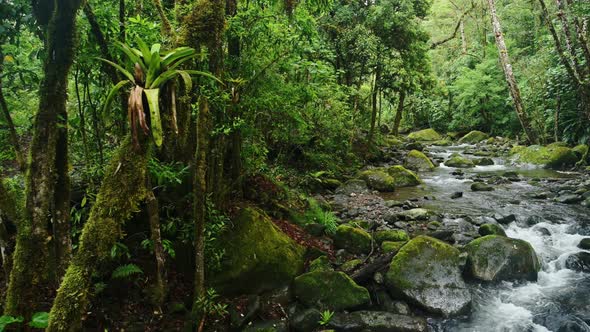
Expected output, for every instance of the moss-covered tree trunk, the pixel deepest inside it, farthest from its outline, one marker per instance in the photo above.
(399, 112)
(29, 273)
(13, 136)
(152, 208)
(121, 192)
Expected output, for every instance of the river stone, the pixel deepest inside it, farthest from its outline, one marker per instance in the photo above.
(417, 161)
(403, 177)
(497, 258)
(491, 229)
(378, 179)
(427, 272)
(386, 303)
(458, 161)
(306, 320)
(579, 262)
(581, 151)
(416, 214)
(392, 246)
(355, 240)
(551, 156)
(533, 220)
(504, 218)
(354, 186)
(427, 135)
(391, 235)
(331, 290)
(484, 162)
(457, 194)
(474, 137)
(377, 321)
(569, 199)
(414, 146)
(584, 244)
(258, 256)
(480, 186)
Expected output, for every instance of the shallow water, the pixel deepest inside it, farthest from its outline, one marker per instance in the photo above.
(560, 299)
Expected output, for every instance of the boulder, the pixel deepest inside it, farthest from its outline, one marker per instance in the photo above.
(416, 214)
(443, 142)
(497, 258)
(351, 265)
(491, 229)
(483, 162)
(306, 320)
(427, 272)
(377, 321)
(458, 161)
(392, 246)
(551, 156)
(579, 262)
(354, 240)
(330, 290)
(403, 177)
(457, 194)
(504, 218)
(417, 161)
(427, 135)
(258, 256)
(584, 244)
(474, 137)
(569, 199)
(378, 179)
(480, 186)
(320, 264)
(391, 235)
(581, 151)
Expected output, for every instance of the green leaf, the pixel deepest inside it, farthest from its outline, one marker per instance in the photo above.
(120, 69)
(125, 271)
(39, 320)
(153, 98)
(163, 78)
(83, 202)
(188, 81)
(181, 54)
(153, 69)
(133, 54)
(7, 320)
(113, 92)
(147, 56)
(202, 73)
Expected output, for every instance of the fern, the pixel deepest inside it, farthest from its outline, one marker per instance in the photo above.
(125, 271)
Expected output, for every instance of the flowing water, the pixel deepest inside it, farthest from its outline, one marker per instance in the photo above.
(560, 299)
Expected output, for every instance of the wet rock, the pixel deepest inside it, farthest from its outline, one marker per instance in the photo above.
(378, 179)
(433, 225)
(480, 186)
(458, 172)
(426, 135)
(552, 156)
(497, 258)
(443, 142)
(331, 290)
(543, 231)
(377, 321)
(417, 161)
(584, 244)
(484, 162)
(491, 229)
(416, 214)
(510, 174)
(474, 137)
(414, 146)
(393, 203)
(353, 239)
(504, 218)
(573, 327)
(457, 194)
(569, 199)
(386, 303)
(533, 220)
(306, 320)
(403, 177)
(458, 161)
(579, 262)
(427, 272)
(391, 235)
(443, 235)
(539, 195)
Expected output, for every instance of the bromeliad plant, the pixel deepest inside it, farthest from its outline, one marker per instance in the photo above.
(152, 70)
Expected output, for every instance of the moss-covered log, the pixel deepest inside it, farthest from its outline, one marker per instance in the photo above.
(122, 190)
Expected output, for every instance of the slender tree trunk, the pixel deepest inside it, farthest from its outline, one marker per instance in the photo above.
(154, 218)
(102, 43)
(399, 112)
(29, 274)
(463, 39)
(374, 106)
(8, 118)
(121, 192)
(510, 79)
(10, 208)
(82, 120)
(166, 26)
(556, 122)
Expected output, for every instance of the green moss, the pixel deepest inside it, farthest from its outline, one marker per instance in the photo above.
(427, 135)
(474, 137)
(330, 290)
(417, 161)
(378, 179)
(320, 264)
(258, 256)
(456, 160)
(392, 142)
(354, 240)
(403, 177)
(443, 142)
(351, 265)
(551, 156)
(392, 246)
(491, 229)
(391, 235)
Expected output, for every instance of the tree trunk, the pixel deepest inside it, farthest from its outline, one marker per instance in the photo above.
(463, 40)
(153, 212)
(374, 106)
(10, 208)
(29, 274)
(121, 192)
(399, 112)
(13, 136)
(510, 79)
(166, 26)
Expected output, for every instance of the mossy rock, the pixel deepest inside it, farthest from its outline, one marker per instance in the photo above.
(395, 235)
(330, 290)
(443, 142)
(551, 156)
(351, 265)
(474, 137)
(417, 161)
(378, 179)
(491, 229)
(392, 246)
(426, 135)
(458, 161)
(354, 240)
(496, 258)
(258, 256)
(403, 177)
(480, 186)
(320, 264)
(393, 142)
(427, 272)
(581, 151)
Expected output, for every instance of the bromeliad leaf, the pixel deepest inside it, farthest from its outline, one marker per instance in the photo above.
(127, 74)
(153, 98)
(114, 92)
